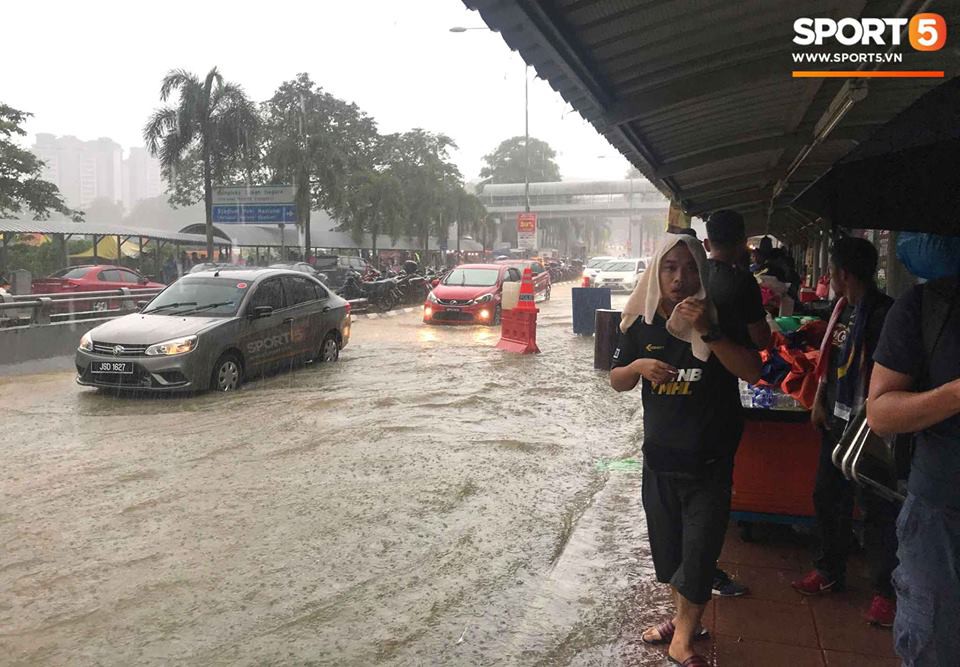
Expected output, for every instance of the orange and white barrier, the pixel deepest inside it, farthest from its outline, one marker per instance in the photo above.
(518, 326)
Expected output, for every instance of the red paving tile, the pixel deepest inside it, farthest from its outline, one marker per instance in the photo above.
(838, 659)
(841, 627)
(759, 554)
(729, 652)
(764, 620)
(765, 583)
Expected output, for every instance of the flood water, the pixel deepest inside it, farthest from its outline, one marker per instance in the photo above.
(428, 500)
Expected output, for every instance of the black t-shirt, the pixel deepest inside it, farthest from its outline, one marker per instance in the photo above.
(935, 469)
(692, 421)
(736, 295)
(839, 339)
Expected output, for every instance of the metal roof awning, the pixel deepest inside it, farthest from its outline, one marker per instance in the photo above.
(322, 235)
(94, 229)
(699, 96)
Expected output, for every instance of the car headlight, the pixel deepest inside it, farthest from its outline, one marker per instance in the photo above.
(171, 347)
(432, 298)
(486, 298)
(86, 342)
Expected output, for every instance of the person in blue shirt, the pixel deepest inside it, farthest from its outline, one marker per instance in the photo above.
(915, 388)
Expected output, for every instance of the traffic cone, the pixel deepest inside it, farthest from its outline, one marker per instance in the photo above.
(518, 326)
(526, 291)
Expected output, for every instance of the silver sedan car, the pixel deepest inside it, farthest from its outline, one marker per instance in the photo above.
(212, 329)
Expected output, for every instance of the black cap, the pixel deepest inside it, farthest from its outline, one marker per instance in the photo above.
(726, 226)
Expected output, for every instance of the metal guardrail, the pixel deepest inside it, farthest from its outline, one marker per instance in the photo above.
(42, 310)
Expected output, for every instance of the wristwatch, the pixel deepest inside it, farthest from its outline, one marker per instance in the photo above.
(713, 334)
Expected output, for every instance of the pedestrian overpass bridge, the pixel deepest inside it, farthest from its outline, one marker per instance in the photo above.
(630, 198)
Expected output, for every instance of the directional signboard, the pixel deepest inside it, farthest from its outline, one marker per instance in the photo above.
(265, 204)
(527, 231)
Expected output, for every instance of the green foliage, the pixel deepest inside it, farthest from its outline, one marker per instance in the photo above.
(41, 260)
(210, 136)
(508, 163)
(103, 211)
(20, 184)
(319, 143)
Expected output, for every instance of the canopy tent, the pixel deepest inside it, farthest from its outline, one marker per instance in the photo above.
(106, 248)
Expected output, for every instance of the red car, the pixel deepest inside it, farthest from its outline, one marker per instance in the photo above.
(469, 294)
(541, 277)
(95, 278)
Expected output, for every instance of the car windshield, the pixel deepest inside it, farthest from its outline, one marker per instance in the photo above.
(472, 277)
(596, 263)
(189, 295)
(621, 266)
(78, 272)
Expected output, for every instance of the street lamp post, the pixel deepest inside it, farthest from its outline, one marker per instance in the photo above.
(526, 124)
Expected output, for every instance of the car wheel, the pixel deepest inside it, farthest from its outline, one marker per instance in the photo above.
(329, 349)
(227, 373)
(100, 306)
(496, 317)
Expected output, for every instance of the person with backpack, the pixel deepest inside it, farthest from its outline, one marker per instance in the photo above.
(844, 370)
(915, 388)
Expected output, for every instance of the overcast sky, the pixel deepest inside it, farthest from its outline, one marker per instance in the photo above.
(93, 69)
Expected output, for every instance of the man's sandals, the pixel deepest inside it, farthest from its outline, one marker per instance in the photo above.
(693, 661)
(666, 630)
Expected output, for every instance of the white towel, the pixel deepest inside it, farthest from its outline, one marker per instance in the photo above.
(645, 298)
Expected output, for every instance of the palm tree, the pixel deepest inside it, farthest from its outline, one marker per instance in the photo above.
(213, 118)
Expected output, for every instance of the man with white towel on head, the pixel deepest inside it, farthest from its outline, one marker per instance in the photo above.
(692, 422)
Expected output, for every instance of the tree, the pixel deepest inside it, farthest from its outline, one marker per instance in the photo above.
(210, 134)
(508, 163)
(319, 143)
(471, 214)
(421, 161)
(20, 184)
(103, 210)
(376, 207)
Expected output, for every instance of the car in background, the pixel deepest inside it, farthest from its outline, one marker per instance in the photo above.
(470, 294)
(215, 266)
(593, 266)
(338, 267)
(302, 267)
(210, 330)
(91, 278)
(620, 274)
(541, 277)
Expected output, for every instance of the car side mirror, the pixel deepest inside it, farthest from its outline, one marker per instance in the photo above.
(142, 281)
(142, 304)
(261, 311)
(435, 282)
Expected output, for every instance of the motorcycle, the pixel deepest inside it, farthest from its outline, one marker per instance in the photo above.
(382, 295)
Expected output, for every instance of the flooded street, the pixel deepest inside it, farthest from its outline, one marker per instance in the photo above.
(427, 500)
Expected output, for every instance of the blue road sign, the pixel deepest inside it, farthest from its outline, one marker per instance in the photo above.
(254, 213)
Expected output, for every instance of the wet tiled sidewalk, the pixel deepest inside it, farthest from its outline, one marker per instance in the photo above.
(774, 626)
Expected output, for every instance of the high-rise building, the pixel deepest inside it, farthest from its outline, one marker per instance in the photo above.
(83, 170)
(141, 177)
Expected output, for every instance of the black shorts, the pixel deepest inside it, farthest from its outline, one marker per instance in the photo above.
(687, 519)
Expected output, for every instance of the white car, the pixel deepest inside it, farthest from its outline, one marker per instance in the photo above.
(620, 274)
(593, 267)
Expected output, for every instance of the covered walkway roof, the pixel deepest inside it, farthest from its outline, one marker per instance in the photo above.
(269, 236)
(91, 228)
(699, 94)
